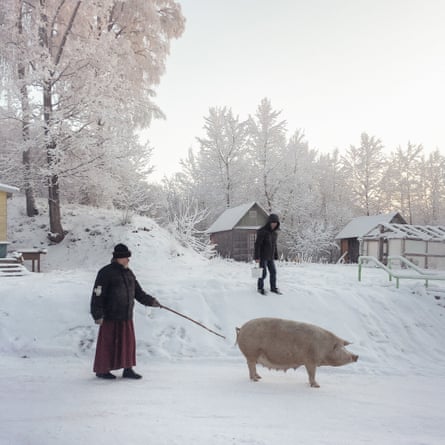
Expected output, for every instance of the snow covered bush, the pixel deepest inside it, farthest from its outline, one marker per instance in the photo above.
(311, 243)
(183, 226)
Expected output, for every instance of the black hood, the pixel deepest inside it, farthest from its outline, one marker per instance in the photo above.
(273, 218)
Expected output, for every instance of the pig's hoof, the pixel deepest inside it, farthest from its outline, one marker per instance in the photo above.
(315, 385)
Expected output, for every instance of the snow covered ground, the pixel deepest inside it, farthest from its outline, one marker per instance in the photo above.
(195, 388)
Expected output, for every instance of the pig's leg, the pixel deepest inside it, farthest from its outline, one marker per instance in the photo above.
(252, 370)
(310, 368)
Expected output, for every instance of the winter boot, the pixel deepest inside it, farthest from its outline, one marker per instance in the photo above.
(105, 375)
(276, 291)
(262, 291)
(130, 374)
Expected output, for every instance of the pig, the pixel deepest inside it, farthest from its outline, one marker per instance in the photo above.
(283, 344)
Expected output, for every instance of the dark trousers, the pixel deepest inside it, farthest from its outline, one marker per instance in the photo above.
(265, 265)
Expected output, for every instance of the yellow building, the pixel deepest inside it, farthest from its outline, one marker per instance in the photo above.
(5, 191)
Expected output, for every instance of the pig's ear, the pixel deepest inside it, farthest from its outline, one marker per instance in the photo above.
(346, 343)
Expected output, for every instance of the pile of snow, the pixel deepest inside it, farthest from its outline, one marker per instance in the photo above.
(47, 336)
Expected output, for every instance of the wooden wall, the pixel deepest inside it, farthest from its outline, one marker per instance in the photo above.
(236, 244)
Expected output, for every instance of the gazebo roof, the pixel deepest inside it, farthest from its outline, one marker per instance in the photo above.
(360, 226)
(407, 231)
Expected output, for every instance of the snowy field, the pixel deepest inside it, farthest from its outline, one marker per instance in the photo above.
(195, 388)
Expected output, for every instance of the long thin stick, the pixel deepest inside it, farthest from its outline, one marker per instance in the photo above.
(191, 319)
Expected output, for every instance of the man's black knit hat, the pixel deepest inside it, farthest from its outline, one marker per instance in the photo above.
(273, 217)
(121, 251)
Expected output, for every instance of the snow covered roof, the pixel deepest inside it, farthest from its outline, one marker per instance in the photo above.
(363, 224)
(8, 188)
(416, 232)
(231, 217)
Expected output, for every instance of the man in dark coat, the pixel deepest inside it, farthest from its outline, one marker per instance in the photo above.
(112, 303)
(266, 252)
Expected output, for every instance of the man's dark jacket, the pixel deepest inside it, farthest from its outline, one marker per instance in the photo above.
(115, 290)
(266, 240)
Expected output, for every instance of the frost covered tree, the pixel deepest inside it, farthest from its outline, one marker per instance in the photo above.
(267, 140)
(295, 199)
(10, 162)
(93, 66)
(222, 153)
(402, 185)
(16, 79)
(432, 178)
(314, 201)
(336, 208)
(213, 176)
(313, 242)
(184, 225)
(190, 182)
(363, 169)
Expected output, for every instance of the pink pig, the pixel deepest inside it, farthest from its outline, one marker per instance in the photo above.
(284, 344)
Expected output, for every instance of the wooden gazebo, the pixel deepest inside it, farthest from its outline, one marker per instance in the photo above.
(349, 237)
(424, 246)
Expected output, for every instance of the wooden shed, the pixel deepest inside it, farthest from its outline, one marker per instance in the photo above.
(234, 232)
(5, 192)
(349, 238)
(422, 245)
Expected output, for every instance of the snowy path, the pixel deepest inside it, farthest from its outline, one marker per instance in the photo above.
(213, 402)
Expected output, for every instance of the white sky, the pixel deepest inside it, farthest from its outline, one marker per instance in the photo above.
(335, 68)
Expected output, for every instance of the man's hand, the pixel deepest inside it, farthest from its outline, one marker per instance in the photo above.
(99, 321)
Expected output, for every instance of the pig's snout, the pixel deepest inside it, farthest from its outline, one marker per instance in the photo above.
(354, 357)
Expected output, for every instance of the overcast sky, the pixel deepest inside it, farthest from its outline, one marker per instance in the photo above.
(335, 68)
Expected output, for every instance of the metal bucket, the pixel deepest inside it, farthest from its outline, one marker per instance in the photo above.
(257, 272)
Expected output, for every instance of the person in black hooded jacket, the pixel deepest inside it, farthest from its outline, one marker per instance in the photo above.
(112, 303)
(266, 252)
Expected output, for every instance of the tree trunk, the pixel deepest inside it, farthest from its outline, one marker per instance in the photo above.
(31, 207)
(56, 233)
(228, 187)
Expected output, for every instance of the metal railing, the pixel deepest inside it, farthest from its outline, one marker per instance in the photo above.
(419, 275)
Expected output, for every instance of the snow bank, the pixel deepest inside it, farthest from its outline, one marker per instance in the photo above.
(393, 330)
